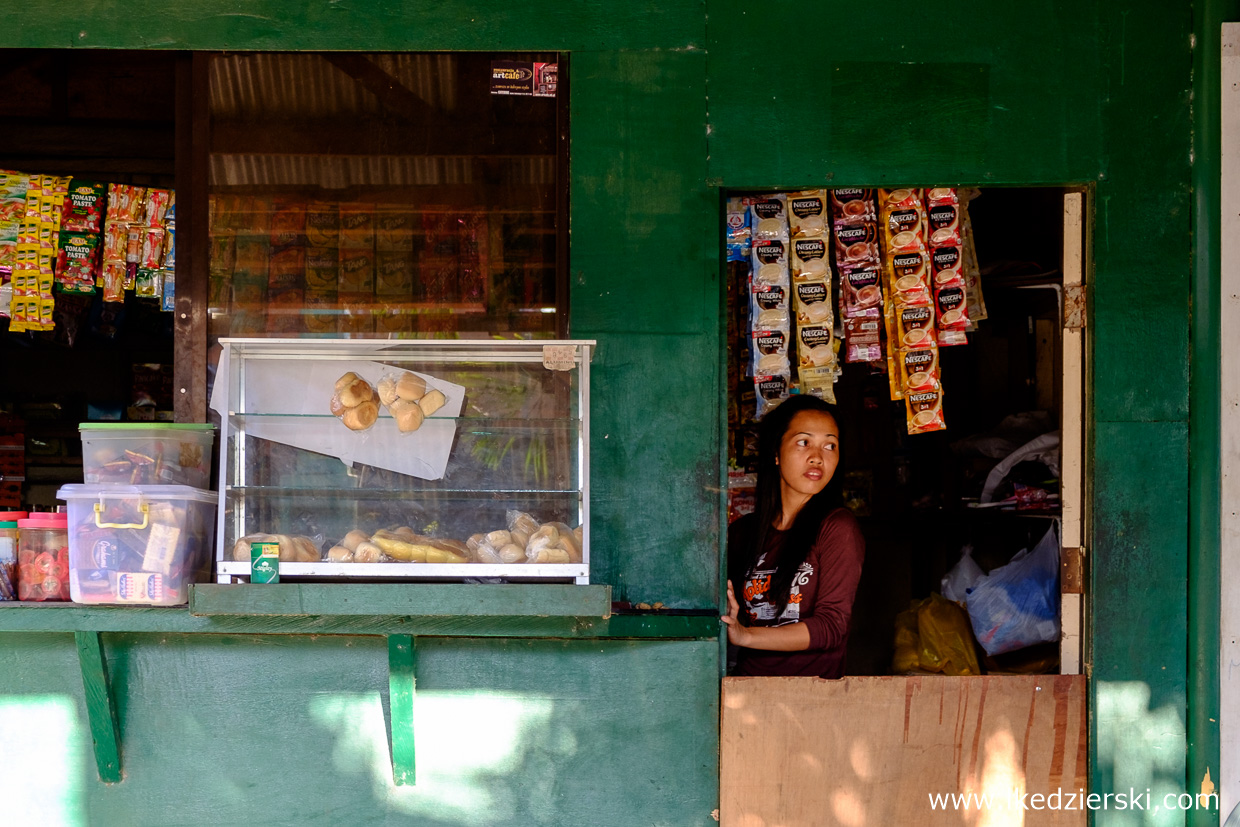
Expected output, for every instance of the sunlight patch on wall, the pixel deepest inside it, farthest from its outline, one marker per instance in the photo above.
(469, 750)
(43, 732)
(1142, 747)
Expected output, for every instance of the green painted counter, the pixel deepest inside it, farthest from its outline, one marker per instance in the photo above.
(222, 613)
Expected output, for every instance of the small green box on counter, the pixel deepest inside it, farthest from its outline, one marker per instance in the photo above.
(264, 562)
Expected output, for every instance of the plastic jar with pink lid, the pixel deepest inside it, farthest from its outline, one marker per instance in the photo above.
(43, 557)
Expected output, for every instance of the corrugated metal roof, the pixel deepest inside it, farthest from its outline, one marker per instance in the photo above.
(341, 171)
(305, 87)
(311, 85)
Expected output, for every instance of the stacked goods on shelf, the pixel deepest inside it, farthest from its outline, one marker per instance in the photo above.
(739, 382)
(53, 234)
(909, 312)
(38, 237)
(322, 267)
(136, 240)
(356, 283)
(855, 221)
(907, 276)
(946, 264)
(809, 232)
(453, 265)
(168, 302)
(238, 261)
(13, 186)
(974, 301)
(738, 252)
(770, 283)
(81, 225)
(285, 266)
(12, 469)
(12, 461)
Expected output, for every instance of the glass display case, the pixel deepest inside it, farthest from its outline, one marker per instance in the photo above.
(411, 459)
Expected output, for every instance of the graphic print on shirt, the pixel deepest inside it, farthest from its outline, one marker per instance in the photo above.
(758, 605)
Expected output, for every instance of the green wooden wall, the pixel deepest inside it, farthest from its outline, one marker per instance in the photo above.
(290, 730)
(671, 102)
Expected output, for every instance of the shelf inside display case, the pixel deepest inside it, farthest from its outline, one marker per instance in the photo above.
(492, 482)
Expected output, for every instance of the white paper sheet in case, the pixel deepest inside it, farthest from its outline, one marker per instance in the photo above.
(288, 400)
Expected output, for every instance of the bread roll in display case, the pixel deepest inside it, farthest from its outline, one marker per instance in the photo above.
(412, 459)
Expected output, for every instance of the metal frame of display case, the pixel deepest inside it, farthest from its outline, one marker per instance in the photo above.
(393, 351)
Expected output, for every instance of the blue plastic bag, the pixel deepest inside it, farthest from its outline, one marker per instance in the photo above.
(1017, 605)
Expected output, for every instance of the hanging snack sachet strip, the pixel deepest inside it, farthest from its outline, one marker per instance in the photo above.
(946, 260)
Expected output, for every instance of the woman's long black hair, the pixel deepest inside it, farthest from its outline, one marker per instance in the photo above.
(769, 507)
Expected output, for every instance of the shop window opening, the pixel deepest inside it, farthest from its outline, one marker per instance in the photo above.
(946, 325)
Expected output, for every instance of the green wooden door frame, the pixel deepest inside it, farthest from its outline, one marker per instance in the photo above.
(1205, 399)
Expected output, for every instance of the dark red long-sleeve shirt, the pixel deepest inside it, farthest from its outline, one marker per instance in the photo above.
(821, 597)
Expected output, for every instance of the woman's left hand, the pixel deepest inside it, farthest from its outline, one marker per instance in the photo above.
(737, 633)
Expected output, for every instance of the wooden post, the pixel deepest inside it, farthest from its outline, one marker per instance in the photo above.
(190, 321)
(1072, 430)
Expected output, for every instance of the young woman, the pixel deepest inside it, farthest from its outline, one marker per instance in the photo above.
(794, 563)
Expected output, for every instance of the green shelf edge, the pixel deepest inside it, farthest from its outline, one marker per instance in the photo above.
(72, 618)
(418, 600)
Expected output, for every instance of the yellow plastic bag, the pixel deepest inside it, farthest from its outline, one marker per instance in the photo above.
(946, 638)
(907, 641)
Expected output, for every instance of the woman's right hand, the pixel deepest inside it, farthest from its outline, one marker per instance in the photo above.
(737, 633)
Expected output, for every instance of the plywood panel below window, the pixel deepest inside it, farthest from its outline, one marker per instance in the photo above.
(870, 751)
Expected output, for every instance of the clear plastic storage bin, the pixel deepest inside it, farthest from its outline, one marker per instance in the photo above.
(147, 453)
(138, 544)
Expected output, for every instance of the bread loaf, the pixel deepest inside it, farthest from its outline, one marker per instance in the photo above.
(410, 387)
(354, 538)
(568, 541)
(339, 554)
(408, 415)
(520, 521)
(432, 402)
(499, 538)
(356, 392)
(367, 553)
(553, 554)
(387, 390)
(241, 549)
(346, 380)
(361, 417)
(512, 553)
(305, 550)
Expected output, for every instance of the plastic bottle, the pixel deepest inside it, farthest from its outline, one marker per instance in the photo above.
(43, 557)
(8, 553)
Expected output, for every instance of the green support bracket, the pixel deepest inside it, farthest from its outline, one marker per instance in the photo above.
(100, 706)
(402, 661)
